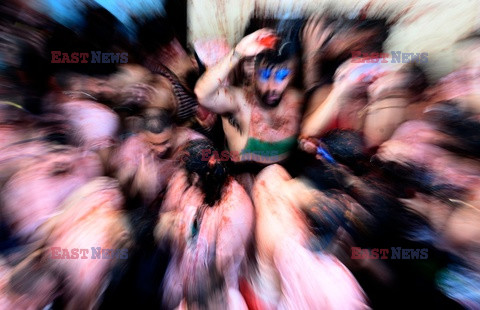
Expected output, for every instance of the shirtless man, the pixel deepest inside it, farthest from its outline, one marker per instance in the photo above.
(261, 122)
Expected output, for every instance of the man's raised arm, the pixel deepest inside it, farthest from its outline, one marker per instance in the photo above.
(211, 90)
(322, 106)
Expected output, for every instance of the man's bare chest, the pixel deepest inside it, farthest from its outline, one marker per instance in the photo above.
(281, 121)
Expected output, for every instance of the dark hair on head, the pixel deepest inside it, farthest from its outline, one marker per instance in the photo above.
(286, 50)
(346, 146)
(326, 215)
(459, 123)
(275, 57)
(382, 28)
(446, 112)
(270, 59)
(101, 27)
(351, 27)
(417, 80)
(102, 32)
(289, 45)
(157, 120)
(212, 173)
(380, 25)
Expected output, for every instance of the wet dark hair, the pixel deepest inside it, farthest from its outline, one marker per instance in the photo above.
(381, 26)
(289, 45)
(212, 174)
(274, 57)
(157, 121)
(417, 80)
(390, 220)
(326, 216)
(346, 146)
(101, 29)
(328, 67)
(459, 123)
(405, 175)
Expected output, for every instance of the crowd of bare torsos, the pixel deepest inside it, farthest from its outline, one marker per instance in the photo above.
(278, 235)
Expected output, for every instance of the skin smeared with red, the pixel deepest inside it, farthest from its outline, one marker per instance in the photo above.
(223, 233)
(259, 110)
(290, 276)
(41, 187)
(91, 216)
(268, 41)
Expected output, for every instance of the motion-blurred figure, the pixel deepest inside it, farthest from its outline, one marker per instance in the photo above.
(208, 218)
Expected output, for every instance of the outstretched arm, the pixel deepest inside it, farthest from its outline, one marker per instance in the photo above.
(315, 124)
(321, 106)
(349, 79)
(211, 91)
(314, 36)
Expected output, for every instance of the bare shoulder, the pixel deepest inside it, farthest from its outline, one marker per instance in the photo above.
(272, 174)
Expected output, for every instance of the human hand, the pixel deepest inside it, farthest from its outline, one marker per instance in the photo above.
(314, 35)
(255, 43)
(308, 144)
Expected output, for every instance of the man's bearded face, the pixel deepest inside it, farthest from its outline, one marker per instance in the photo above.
(271, 81)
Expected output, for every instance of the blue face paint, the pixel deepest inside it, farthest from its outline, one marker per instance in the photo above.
(321, 151)
(281, 74)
(265, 74)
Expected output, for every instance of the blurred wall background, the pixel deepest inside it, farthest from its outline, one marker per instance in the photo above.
(430, 26)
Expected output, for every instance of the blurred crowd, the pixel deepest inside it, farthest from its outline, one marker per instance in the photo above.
(265, 175)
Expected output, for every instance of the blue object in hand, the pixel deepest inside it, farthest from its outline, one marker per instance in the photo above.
(321, 151)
